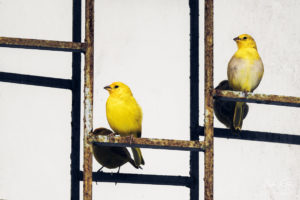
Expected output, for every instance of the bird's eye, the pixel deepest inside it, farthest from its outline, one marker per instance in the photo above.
(116, 86)
(245, 38)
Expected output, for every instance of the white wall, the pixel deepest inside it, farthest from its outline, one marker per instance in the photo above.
(146, 45)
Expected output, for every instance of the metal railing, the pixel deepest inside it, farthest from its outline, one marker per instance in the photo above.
(193, 145)
(73, 84)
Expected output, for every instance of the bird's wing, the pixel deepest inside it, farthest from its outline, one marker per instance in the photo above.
(120, 151)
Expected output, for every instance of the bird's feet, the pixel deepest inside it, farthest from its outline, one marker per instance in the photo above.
(118, 173)
(245, 94)
(100, 170)
(130, 138)
(111, 135)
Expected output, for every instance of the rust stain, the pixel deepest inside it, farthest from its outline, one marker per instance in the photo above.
(42, 44)
(88, 98)
(149, 143)
(258, 98)
(209, 89)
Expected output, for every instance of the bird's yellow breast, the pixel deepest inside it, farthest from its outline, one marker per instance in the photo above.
(245, 70)
(124, 115)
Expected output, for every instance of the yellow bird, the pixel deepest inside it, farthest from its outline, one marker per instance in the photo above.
(124, 115)
(245, 71)
(111, 157)
(224, 110)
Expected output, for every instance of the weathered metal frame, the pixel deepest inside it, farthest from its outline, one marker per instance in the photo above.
(208, 101)
(73, 84)
(194, 145)
(87, 47)
(270, 99)
(88, 99)
(42, 44)
(184, 145)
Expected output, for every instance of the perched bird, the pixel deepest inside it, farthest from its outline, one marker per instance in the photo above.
(245, 71)
(224, 110)
(124, 115)
(111, 157)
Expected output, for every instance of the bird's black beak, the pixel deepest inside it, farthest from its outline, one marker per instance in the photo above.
(108, 88)
(236, 39)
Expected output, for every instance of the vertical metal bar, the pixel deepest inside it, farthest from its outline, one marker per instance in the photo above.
(88, 98)
(209, 112)
(76, 100)
(194, 95)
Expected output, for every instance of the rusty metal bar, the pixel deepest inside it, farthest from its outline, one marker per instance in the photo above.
(209, 111)
(194, 95)
(255, 136)
(88, 98)
(141, 179)
(76, 102)
(258, 98)
(42, 44)
(36, 80)
(148, 143)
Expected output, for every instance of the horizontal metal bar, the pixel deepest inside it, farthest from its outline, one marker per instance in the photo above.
(36, 80)
(255, 136)
(257, 98)
(184, 145)
(42, 44)
(140, 179)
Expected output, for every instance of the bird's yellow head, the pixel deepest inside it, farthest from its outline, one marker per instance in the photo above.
(118, 89)
(245, 41)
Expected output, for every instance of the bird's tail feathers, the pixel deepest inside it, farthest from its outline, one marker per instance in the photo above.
(131, 161)
(238, 116)
(137, 155)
